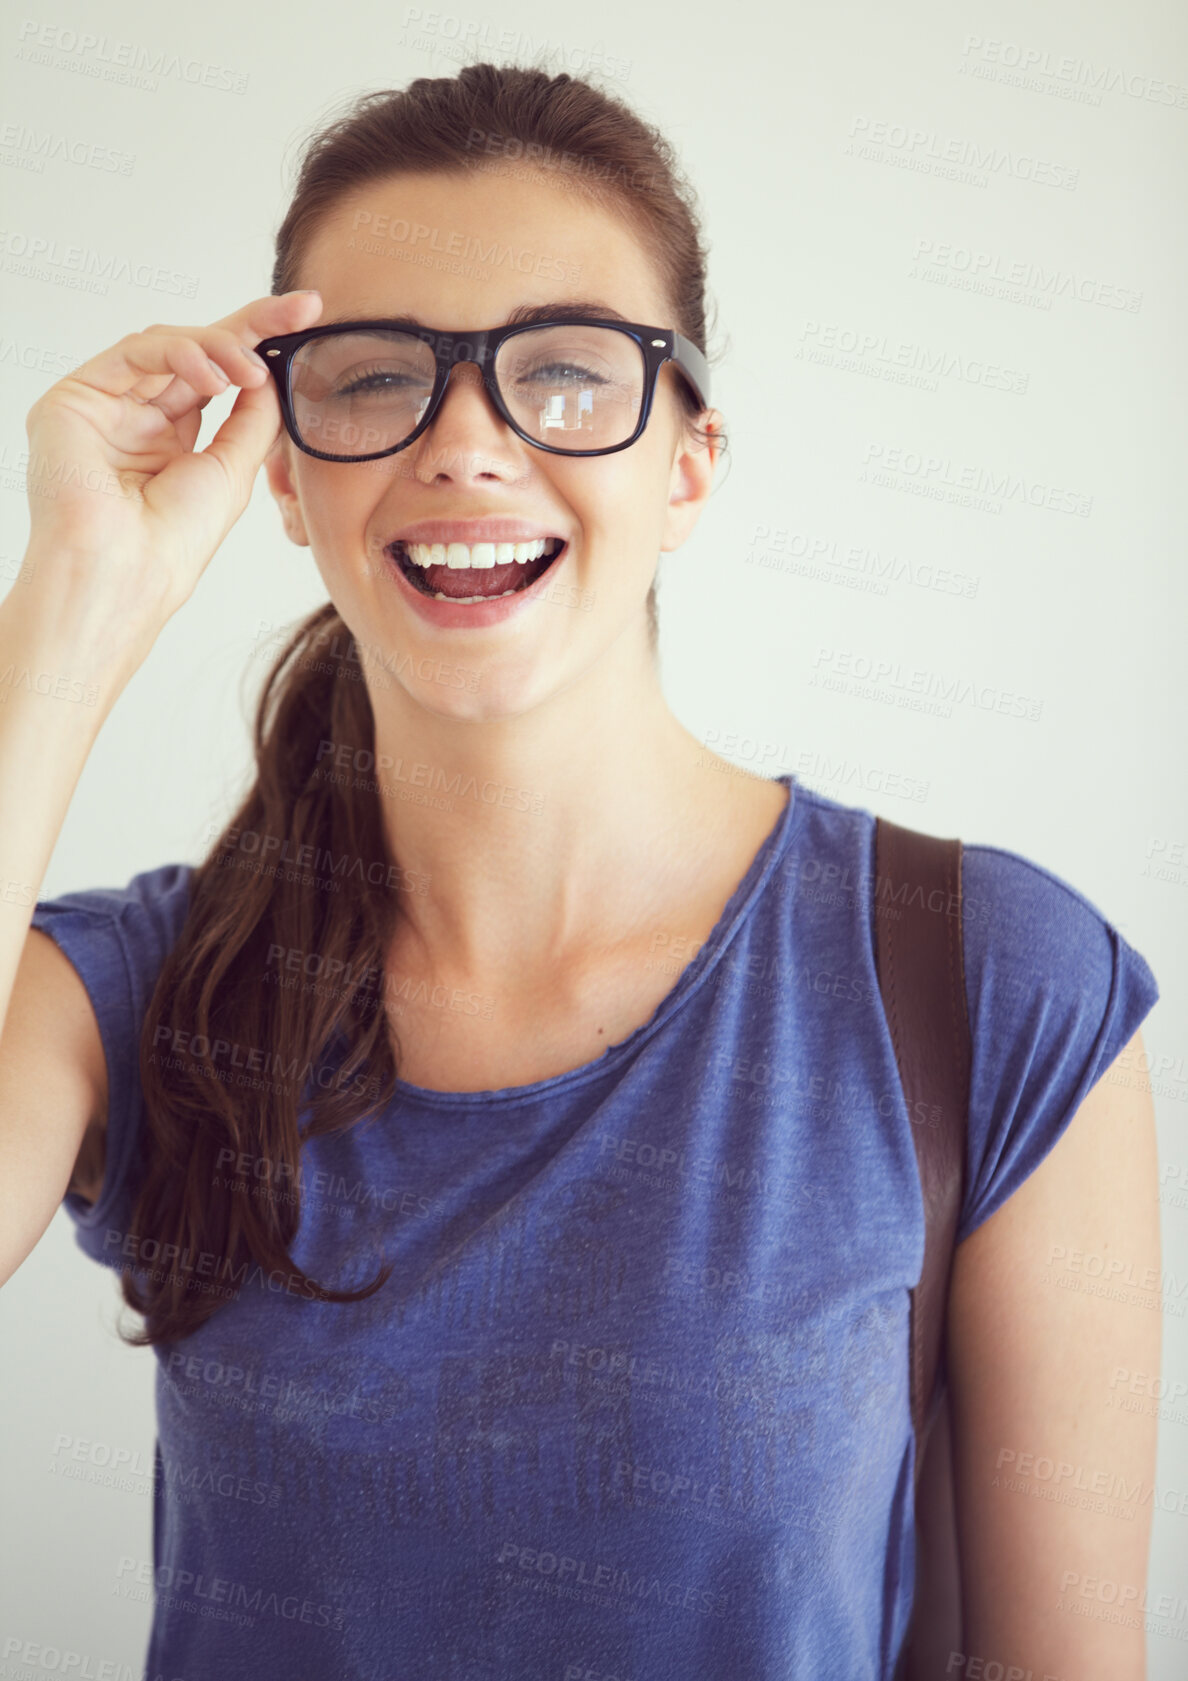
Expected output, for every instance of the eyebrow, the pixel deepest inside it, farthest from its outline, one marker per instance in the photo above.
(523, 315)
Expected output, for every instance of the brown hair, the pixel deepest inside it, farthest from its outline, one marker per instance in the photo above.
(226, 1052)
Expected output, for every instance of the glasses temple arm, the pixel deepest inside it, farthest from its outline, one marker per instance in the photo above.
(693, 365)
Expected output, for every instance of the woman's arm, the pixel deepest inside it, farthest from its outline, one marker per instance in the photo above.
(1054, 1310)
(125, 515)
(53, 1079)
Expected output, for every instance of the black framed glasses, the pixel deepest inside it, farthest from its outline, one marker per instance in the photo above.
(572, 385)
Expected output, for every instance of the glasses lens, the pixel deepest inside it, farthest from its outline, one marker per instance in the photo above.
(359, 393)
(573, 388)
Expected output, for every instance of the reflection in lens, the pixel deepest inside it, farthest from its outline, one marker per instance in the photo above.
(573, 387)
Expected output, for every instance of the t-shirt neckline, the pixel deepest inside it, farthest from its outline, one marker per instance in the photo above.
(733, 914)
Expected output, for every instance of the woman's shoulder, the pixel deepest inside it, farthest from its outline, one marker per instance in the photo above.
(1054, 991)
(158, 896)
(117, 939)
(1055, 994)
(999, 883)
(1021, 919)
(1031, 934)
(120, 932)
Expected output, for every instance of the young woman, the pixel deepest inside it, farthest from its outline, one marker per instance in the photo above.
(499, 1130)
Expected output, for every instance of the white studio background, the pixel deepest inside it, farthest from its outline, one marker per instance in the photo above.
(947, 249)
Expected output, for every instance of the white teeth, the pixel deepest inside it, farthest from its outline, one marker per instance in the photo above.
(466, 599)
(464, 555)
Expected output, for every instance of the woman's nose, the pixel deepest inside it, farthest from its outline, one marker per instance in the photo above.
(467, 436)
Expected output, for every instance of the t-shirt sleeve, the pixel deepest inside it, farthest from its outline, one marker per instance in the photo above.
(117, 939)
(1054, 993)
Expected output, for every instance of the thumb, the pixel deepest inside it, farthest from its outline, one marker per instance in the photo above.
(245, 437)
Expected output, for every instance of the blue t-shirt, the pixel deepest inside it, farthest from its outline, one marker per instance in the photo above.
(634, 1403)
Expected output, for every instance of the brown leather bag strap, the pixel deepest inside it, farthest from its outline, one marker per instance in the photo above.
(919, 956)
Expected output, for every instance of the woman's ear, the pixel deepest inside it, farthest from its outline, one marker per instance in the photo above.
(278, 464)
(692, 477)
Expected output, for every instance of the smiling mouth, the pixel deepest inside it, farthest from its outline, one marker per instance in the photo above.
(428, 568)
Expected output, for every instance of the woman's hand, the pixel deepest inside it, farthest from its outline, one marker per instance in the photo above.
(125, 514)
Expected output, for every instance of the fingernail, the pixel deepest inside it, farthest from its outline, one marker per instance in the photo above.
(304, 292)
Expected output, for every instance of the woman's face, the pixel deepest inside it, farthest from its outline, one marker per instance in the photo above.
(545, 243)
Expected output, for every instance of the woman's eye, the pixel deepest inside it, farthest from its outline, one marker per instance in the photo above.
(555, 373)
(380, 380)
